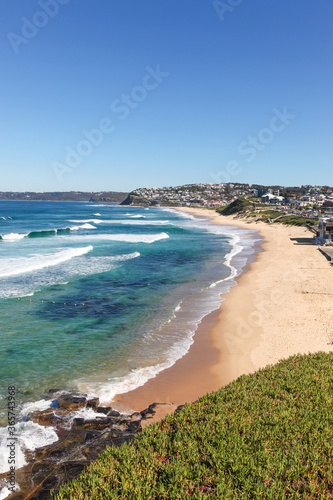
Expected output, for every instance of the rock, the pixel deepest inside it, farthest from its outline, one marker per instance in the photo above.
(41, 470)
(45, 417)
(53, 391)
(78, 421)
(71, 402)
(93, 403)
(134, 426)
(114, 413)
(155, 412)
(123, 420)
(91, 435)
(60, 462)
(56, 475)
(136, 417)
(149, 411)
(98, 423)
(103, 409)
(97, 445)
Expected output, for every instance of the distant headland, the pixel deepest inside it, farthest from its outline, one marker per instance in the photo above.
(97, 197)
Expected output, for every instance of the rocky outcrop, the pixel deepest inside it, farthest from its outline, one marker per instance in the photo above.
(71, 401)
(79, 444)
(135, 200)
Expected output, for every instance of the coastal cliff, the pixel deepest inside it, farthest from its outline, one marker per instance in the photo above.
(133, 199)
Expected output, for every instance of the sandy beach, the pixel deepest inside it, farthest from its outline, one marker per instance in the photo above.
(281, 306)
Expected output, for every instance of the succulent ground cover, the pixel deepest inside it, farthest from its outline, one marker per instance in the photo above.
(265, 436)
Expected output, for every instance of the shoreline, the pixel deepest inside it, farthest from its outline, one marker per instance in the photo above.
(280, 307)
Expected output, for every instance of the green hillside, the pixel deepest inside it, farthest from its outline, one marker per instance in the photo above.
(236, 207)
(265, 436)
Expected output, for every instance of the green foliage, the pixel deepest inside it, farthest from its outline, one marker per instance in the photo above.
(254, 200)
(265, 436)
(238, 206)
(294, 220)
(133, 199)
(246, 208)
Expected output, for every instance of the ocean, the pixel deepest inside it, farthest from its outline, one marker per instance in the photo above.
(100, 298)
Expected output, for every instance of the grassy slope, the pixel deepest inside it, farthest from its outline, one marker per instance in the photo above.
(263, 213)
(236, 207)
(268, 435)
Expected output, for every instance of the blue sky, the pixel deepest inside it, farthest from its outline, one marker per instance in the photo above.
(117, 94)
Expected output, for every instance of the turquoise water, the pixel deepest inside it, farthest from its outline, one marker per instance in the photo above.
(102, 298)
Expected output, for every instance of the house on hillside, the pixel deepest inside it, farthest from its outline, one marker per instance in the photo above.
(271, 198)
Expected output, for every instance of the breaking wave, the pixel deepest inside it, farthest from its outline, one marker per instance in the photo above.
(23, 265)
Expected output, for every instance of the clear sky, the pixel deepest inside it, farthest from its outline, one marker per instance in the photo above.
(118, 94)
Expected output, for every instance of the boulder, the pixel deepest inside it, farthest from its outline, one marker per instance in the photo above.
(93, 402)
(134, 426)
(104, 409)
(45, 417)
(113, 413)
(149, 411)
(71, 401)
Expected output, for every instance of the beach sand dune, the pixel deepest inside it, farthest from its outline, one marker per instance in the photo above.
(281, 306)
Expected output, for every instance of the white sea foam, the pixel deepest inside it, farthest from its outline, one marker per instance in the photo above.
(185, 215)
(94, 265)
(4, 452)
(22, 265)
(86, 413)
(71, 270)
(40, 405)
(129, 238)
(98, 205)
(5, 492)
(98, 215)
(34, 436)
(124, 221)
(13, 236)
(83, 226)
(139, 376)
(176, 309)
(236, 249)
(29, 437)
(94, 221)
(87, 226)
(119, 258)
(138, 222)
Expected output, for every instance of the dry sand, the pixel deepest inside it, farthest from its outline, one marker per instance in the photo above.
(281, 306)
